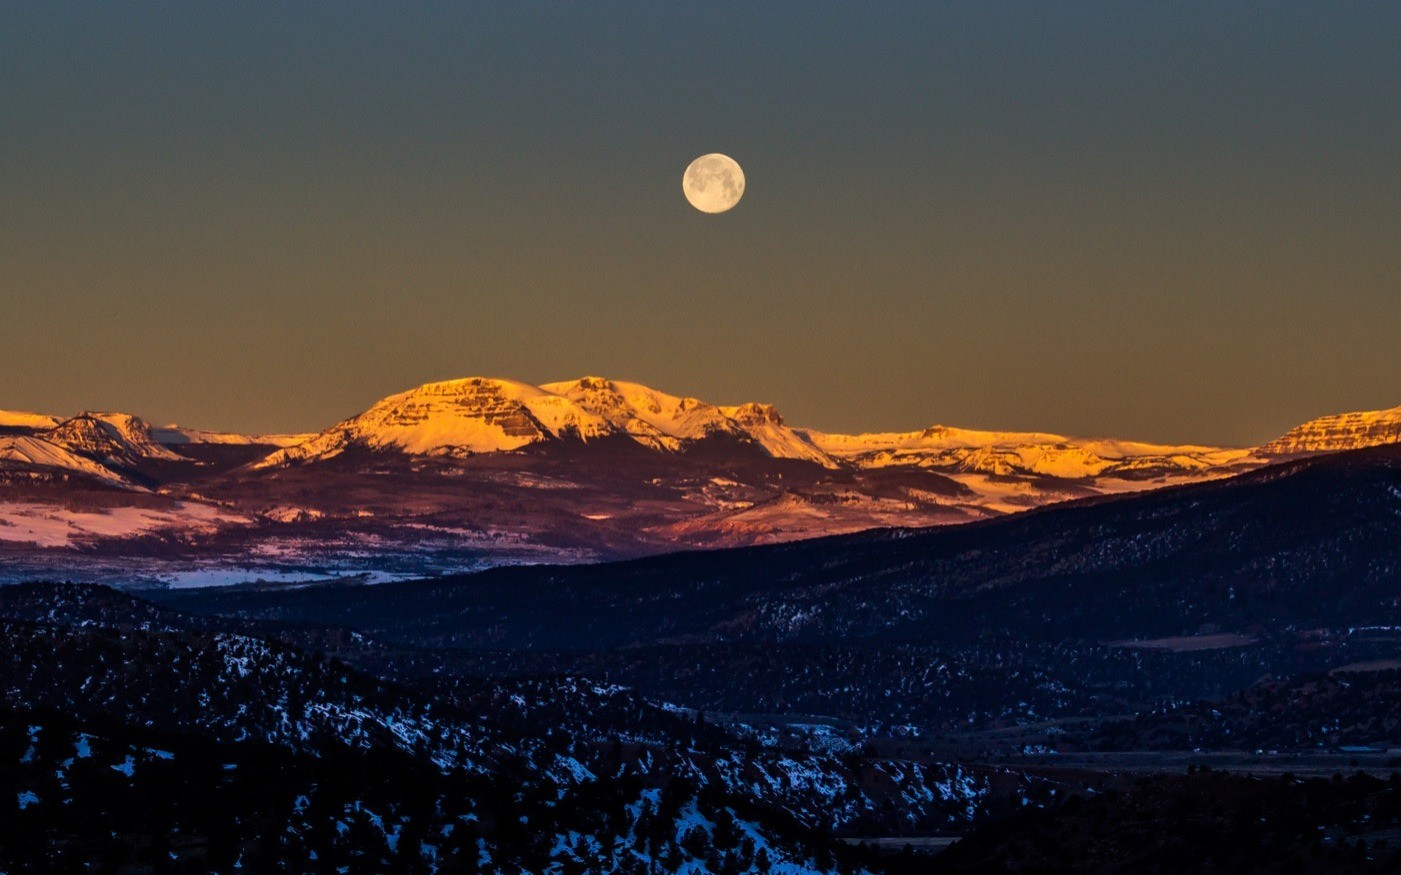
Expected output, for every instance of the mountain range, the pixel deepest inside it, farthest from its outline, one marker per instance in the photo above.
(468, 473)
(1026, 685)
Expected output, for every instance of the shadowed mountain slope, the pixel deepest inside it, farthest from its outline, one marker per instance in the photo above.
(1313, 542)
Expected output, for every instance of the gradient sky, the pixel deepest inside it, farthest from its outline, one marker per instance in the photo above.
(1166, 221)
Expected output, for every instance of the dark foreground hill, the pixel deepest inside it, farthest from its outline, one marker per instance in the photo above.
(1305, 544)
(693, 710)
(1200, 822)
(96, 681)
(1102, 608)
(97, 796)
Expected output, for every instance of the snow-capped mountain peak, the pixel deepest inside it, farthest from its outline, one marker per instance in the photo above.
(1342, 431)
(650, 417)
(455, 417)
(483, 415)
(108, 447)
(669, 422)
(26, 420)
(754, 414)
(1008, 453)
(133, 433)
(109, 438)
(36, 453)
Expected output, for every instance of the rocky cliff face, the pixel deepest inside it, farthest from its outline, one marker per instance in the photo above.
(479, 415)
(112, 439)
(455, 417)
(1343, 431)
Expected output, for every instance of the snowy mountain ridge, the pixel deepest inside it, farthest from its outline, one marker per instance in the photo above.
(114, 437)
(482, 415)
(1005, 453)
(454, 417)
(466, 473)
(668, 422)
(478, 415)
(36, 453)
(25, 419)
(106, 447)
(1342, 431)
(177, 436)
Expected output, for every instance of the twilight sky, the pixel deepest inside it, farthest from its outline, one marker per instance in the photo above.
(1170, 221)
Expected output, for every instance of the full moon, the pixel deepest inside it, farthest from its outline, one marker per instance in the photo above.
(713, 183)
